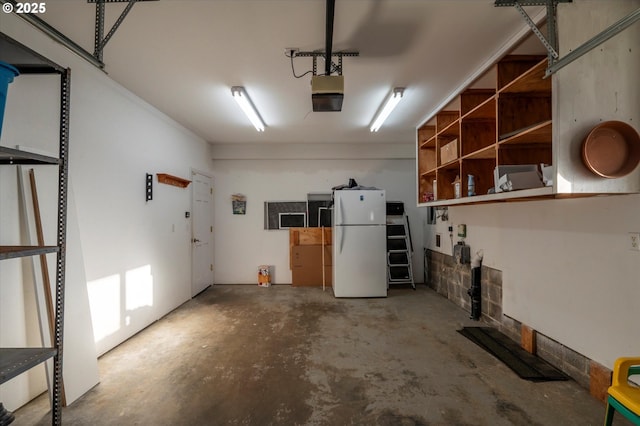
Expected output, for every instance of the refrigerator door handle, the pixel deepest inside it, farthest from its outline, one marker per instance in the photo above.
(340, 212)
(340, 230)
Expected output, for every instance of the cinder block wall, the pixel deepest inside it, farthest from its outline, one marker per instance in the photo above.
(452, 281)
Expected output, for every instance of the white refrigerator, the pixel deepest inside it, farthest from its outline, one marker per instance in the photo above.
(359, 243)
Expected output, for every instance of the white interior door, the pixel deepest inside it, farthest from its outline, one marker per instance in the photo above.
(201, 233)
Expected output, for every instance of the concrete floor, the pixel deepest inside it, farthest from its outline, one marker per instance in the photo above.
(244, 355)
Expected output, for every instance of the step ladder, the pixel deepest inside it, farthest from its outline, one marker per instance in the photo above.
(399, 251)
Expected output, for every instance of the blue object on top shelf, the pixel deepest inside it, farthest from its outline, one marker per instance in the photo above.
(7, 73)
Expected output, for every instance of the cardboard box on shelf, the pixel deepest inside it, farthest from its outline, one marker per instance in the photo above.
(501, 174)
(521, 180)
(449, 152)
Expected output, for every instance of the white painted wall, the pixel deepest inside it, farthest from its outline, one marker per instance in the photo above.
(136, 255)
(567, 267)
(242, 243)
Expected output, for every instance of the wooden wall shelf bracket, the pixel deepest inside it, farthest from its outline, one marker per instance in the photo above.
(172, 180)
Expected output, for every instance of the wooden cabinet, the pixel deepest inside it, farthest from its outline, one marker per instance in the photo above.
(518, 122)
(509, 124)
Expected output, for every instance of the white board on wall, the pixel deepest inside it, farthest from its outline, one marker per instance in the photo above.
(80, 361)
(80, 364)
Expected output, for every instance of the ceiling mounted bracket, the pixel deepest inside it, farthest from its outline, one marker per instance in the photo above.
(56, 35)
(100, 39)
(333, 67)
(551, 43)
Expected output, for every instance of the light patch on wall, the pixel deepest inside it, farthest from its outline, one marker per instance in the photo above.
(138, 288)
(104, 302)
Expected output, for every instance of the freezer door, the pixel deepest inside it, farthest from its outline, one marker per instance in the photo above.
(359, 261)
(355, 207)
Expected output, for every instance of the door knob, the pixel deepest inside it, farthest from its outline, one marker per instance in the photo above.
(195, 240)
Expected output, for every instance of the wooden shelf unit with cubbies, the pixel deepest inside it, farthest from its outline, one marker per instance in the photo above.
(506, 125)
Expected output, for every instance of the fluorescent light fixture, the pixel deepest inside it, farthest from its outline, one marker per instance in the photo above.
(390, 103)
(241, 97)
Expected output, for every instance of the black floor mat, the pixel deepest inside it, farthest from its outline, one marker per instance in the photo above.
(524, 364)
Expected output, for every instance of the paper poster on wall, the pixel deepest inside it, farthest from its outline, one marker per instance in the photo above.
(239, 204)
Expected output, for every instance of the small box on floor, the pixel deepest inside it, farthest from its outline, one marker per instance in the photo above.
(264, 276)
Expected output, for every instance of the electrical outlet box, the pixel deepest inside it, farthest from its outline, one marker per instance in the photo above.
(462, 231)
(462, 253)
(634, 241)
(437, 240)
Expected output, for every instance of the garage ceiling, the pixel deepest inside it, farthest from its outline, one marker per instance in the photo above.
(183, 56)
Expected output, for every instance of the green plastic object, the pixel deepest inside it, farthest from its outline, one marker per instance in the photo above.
(612, 404)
